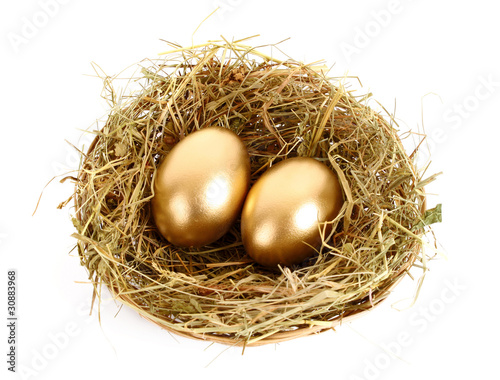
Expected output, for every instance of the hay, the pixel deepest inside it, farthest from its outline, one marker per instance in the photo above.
(280, 109)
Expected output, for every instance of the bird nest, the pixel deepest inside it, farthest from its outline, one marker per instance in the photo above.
(280, 109)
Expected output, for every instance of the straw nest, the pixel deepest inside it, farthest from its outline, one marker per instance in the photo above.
(280, 109)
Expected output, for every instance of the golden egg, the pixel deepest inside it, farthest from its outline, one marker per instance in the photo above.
(200, 187)
(285, 209)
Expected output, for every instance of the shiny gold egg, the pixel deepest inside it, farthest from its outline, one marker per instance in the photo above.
(200, 187)
(285, 209)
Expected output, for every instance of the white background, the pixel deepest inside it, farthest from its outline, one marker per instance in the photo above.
(438, 61)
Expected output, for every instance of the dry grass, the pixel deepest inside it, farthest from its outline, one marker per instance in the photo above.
(280, 109)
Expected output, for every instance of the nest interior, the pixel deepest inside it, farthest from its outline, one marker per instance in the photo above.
(280, 109)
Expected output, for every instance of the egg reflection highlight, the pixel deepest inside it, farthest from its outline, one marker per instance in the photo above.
(264, 234)
(217, 192)
(180, 210)
(307, 216)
